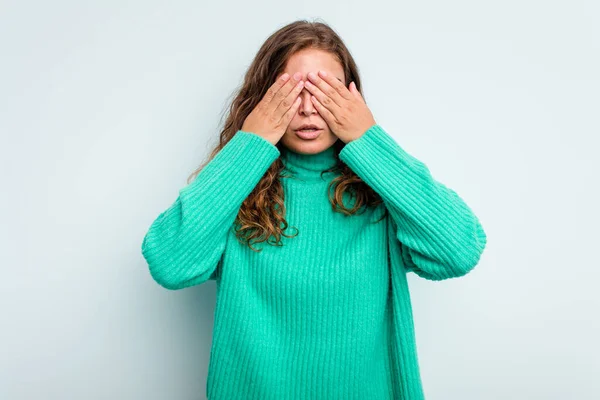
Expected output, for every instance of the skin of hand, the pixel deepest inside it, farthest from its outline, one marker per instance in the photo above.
(344, 110)
(272, 115)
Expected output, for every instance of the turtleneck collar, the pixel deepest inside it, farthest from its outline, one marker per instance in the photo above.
(308, 166)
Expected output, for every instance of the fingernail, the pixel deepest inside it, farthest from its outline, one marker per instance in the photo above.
(297, 76)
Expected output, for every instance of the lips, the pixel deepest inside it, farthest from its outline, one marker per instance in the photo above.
(308, 134)
(308, 127)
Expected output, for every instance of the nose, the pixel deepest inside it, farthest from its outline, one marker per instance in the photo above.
(306, 106)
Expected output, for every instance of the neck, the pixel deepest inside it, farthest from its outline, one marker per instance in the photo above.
(308, 166)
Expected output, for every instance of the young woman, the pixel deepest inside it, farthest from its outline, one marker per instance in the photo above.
(323, 312)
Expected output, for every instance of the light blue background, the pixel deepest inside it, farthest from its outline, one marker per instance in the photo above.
(106, 107)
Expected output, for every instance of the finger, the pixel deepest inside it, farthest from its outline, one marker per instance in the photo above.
(283, 92)
(323, 98)
(336, 84)
(278, 84)
(289, 114)
(288, 101)
(324, 87)
(323, 111)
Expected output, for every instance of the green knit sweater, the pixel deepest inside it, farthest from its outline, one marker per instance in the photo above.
(327, 315)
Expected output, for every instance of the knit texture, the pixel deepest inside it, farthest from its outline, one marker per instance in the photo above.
(327, 315)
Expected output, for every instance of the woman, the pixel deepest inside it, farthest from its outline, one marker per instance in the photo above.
(323, 313)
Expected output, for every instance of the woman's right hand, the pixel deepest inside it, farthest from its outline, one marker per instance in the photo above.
(272, 115)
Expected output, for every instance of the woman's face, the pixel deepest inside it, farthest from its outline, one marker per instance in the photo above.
(305, 61)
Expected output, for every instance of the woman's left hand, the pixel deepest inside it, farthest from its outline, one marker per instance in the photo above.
(344, 111)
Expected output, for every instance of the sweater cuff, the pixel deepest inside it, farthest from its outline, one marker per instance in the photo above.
(240, 164)
(375, 145)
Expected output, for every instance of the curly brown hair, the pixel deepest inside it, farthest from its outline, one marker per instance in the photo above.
(262, 214)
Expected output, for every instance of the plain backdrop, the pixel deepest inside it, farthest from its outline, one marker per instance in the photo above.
(106, 107)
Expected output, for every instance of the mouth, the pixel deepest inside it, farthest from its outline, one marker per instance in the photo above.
(308, 128)
(309, 132)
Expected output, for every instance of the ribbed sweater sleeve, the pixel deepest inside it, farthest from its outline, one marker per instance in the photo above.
(184, 244)
(439, 234)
